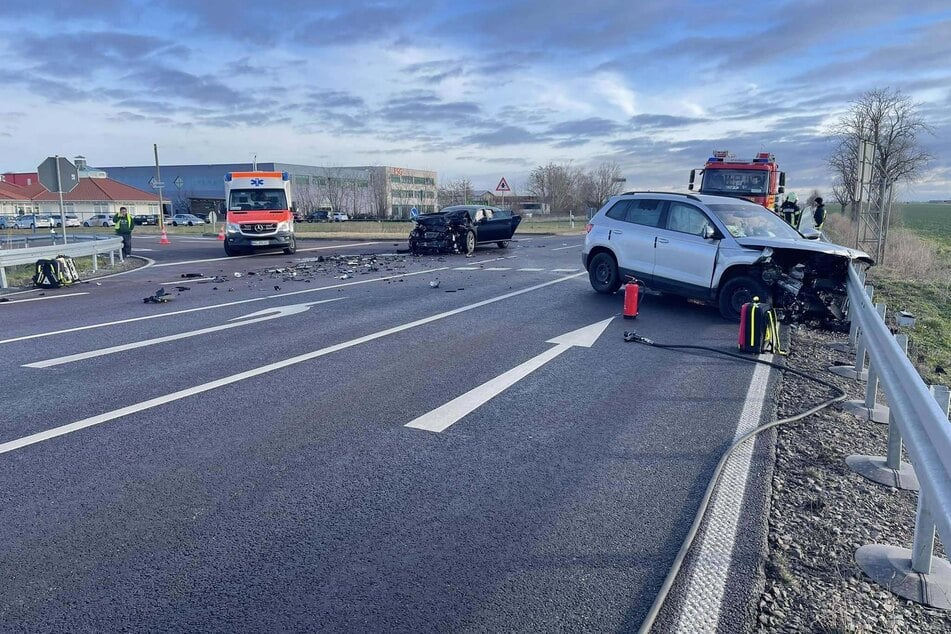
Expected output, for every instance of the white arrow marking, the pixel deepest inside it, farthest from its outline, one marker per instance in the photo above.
(442, 417)
(99, 419)
(253, 318)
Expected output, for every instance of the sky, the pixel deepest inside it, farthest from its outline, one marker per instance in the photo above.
(479, 90)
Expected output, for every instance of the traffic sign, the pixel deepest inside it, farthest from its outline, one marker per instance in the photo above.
(414, 213)
(57, 174)
(503, 186)
(179, 182)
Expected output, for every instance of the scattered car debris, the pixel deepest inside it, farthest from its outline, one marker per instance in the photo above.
(182, 289)
(186, 275)
(434, 284)
(159, 297)
(236, 274)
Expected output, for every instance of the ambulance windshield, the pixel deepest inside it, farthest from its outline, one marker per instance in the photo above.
(257, 199)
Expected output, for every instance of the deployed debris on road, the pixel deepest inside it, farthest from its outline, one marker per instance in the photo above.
(159, 297)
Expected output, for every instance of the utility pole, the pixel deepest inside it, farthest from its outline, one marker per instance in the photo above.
(158, 186)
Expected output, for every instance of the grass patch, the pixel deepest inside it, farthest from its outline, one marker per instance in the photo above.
(915, 277)
(931, 220)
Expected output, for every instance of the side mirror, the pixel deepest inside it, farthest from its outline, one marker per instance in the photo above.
(710, 233)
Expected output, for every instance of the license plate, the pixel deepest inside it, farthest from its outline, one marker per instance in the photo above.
(259, 243)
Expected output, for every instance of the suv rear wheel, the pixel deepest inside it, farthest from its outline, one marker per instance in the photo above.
(737, 291)
(603, 274)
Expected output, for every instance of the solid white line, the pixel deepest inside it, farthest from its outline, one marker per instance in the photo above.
(445, 415)
(92, 354)
(201, 308)
(271, 367)
(563, 270)
(497, 268)
(705, 586)
(573, 246)
(146, 250)
(532, 270)
(40, 299)
(466, 268)
(254, 255)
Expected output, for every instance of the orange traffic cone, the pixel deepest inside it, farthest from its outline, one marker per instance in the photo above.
(164, 239)
(221, 234)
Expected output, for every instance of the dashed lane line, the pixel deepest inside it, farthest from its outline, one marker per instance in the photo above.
(40, 299)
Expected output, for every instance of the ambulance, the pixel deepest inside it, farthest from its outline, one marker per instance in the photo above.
(260, 215)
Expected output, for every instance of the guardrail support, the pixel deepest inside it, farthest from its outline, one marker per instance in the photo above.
(869, 409)
(3, 277)
(854, 323)
(914, 574)
(890, 470)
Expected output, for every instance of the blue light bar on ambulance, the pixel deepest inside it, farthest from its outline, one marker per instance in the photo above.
(285, 176)
(228, 177)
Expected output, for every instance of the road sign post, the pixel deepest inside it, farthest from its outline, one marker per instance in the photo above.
(57, 174)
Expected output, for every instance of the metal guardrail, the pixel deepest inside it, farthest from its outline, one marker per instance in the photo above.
(85, 248)
(918, 419)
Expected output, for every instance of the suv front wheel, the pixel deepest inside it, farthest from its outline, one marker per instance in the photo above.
(603, 274)
(737, 291)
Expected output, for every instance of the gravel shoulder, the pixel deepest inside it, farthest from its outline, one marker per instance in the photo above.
(821, 512)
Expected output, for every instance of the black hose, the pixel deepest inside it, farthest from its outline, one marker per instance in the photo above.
(705, 502)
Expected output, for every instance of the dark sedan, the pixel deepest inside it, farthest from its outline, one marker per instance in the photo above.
(459, 228)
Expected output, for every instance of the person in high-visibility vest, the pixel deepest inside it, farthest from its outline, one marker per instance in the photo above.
(791, 210)
(124, 226)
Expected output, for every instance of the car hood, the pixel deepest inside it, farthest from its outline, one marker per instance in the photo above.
(441, 217)
(810, 246)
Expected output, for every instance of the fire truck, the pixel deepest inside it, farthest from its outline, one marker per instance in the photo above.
(260, 212)
(758, 179)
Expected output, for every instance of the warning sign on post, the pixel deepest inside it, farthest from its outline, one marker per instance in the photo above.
(503, 186)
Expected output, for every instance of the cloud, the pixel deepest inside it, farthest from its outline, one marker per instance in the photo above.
(505, 135)
(427, 108)
(79, 55)
(663, 121)
(589, 128)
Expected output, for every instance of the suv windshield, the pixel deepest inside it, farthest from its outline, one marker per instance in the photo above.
(253, 199)
(735, 182)
(753, 221)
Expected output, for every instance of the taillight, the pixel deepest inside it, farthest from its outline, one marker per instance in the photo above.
(588, 227)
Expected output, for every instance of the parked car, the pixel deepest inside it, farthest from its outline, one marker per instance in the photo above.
(72, 220)
(718, 249)
(99, 220)
(33, 221)
(145, 219)
(317, 216)
(186, 219)
(458, 229)
(339, 216)
(8, 222)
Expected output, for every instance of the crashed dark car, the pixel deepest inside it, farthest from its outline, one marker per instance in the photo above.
(717, 249)
(458, 229)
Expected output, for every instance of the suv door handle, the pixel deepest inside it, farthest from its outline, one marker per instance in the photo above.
(616, 232)
(663, 240)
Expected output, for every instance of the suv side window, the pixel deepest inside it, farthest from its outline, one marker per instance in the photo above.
(618, 211)
(646, 211)
(686, 219)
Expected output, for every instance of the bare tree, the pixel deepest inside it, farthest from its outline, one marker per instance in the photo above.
(606, 181)
(891, 122)
(376, 191)
(335, 190)
(457, 192)
(555, 185)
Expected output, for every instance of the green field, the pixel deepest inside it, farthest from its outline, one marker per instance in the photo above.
(930, 220)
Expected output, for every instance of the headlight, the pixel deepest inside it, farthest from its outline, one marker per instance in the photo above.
(284, 226)
(232, 228)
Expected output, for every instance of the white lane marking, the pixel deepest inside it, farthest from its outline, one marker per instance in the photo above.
(563, 270)
(236, 322)
(40, 299)
(532, 270)
(497, 268)
(146, 250)
(444, 416)
(705, 587)
(201, 308)
(264, 369)
(254, 255)
(466, 268)
(573, 246)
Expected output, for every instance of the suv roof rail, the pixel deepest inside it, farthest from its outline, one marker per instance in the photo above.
(650, 191)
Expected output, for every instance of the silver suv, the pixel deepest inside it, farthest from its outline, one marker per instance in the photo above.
(719, 249)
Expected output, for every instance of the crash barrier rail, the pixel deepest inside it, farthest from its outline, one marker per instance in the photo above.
(23, 242)
(917, 418)
(85, 248)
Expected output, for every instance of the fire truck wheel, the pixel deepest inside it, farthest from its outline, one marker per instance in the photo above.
(291, 250)
(470, 242)
(603, 274)
(737, 291)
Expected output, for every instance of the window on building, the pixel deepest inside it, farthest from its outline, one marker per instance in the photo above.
(100, 207)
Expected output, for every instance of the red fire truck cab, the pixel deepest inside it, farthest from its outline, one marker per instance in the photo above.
(758, 179)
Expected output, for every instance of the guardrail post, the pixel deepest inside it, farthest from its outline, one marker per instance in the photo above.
(914, 574)
(854, 323)
(3, 277)
(112, 258)
(890, 470)
(95, 262)
(859, 373)
(869, 409)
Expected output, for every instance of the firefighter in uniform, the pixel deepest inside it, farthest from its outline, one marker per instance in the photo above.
(791, 211)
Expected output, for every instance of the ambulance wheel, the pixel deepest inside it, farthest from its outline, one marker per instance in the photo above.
(502, 243)
(291, 250)
(737, 291)
(603, 274)
(470, 242)
(231, 251)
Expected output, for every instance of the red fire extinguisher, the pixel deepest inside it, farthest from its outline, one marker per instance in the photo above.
(632, 291)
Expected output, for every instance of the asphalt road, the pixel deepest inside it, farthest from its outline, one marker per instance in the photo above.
(261, 477)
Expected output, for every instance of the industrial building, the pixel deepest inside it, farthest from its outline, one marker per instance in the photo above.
(360, 192)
